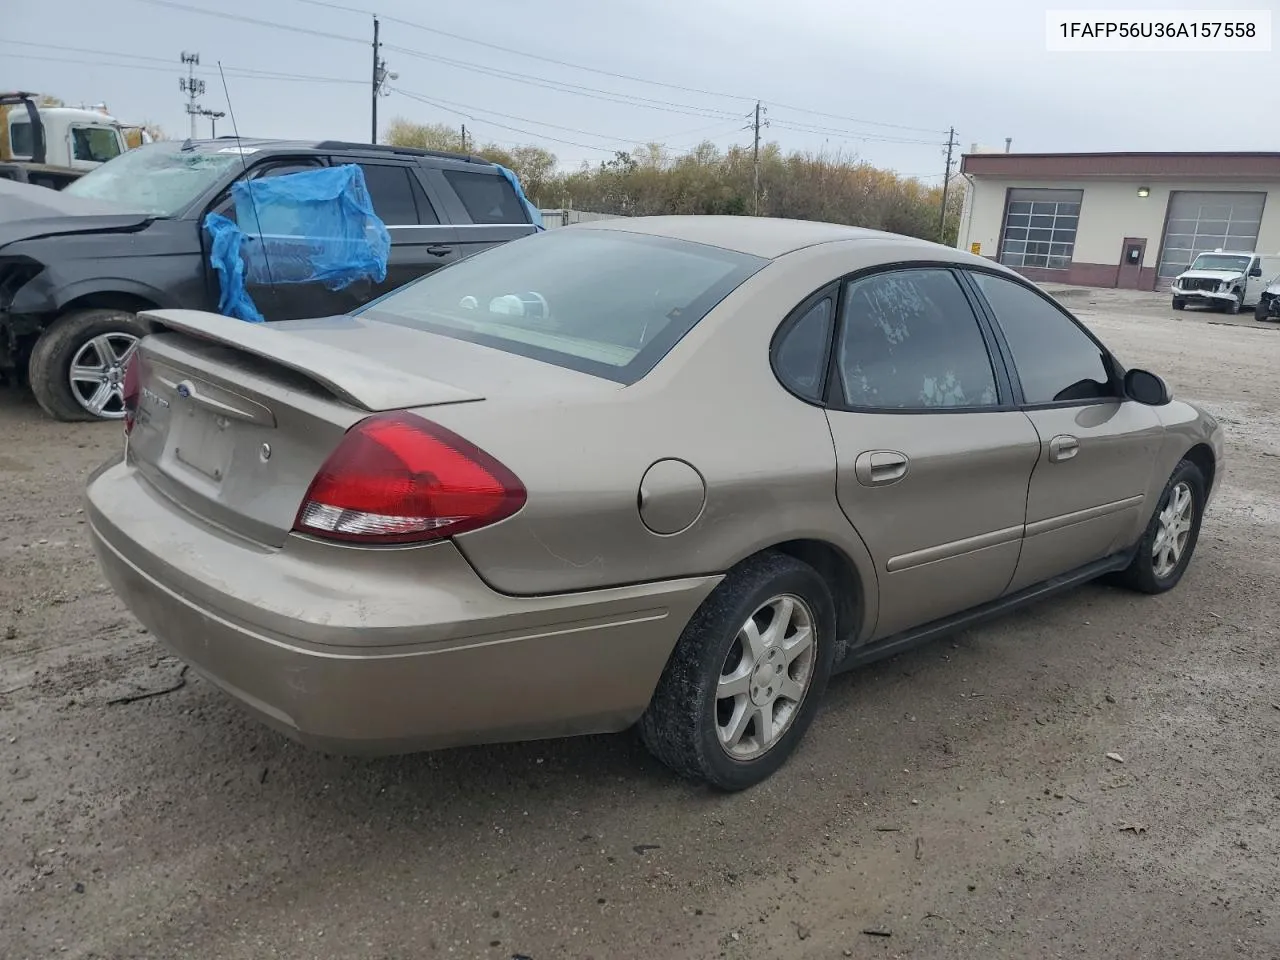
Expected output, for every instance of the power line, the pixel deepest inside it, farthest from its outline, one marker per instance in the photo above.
(623, 98)
(707, 111)
(236, 18)
(851, 134)
(464, 113)
(509, 116)
(328, 4)
(246, 72)
(563, 86)
(249, 73)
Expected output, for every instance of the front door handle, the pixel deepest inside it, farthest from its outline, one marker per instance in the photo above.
(439, 250)
(1063, 448)
(876, 468)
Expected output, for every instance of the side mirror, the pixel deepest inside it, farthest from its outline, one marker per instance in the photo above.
(1256, 271)
(1145, 388)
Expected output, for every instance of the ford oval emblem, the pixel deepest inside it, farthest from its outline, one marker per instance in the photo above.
(184, 390)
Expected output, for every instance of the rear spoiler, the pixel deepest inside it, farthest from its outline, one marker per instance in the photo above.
(362, 382)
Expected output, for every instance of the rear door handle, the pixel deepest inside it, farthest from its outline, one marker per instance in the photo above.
(876, 468)
(439, 250)
(1062, 448)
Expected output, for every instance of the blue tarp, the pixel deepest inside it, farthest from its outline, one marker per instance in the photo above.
(317, 226)
(534, 213)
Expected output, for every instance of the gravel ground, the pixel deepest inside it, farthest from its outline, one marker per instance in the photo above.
(956, 801)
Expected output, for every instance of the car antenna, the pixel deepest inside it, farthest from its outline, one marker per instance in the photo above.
(266, 258)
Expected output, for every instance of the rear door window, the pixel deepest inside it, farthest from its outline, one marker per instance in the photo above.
(487, 197)
(910, 341)
(391, 191)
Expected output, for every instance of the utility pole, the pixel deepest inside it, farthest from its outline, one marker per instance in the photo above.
(192, 87)
(946, 182)
(377, 82)
(380, 77)
(755, 155)
(464, 138)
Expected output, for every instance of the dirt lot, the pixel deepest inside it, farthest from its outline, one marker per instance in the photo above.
(956, 801)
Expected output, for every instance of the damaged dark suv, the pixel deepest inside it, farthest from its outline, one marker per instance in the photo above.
(78, 265)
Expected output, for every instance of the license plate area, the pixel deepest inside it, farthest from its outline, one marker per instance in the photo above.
(202, 442)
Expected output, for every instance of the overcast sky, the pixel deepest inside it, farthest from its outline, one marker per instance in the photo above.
(882, 80)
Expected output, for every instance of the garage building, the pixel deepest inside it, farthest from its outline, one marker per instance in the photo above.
(1133, 220)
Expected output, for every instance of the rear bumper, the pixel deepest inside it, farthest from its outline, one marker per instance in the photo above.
(381, 651)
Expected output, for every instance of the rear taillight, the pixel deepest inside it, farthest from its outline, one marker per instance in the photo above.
(131, 390)
(397, 478)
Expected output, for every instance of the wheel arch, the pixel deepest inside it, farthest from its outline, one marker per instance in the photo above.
(1202, 456)
(854, 602)
(129, 299)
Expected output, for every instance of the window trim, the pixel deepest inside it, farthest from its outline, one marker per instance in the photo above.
(1113, 366)
(790, 322)
(834, 399)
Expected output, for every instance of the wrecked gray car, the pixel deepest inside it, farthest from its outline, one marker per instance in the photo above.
(77, 265)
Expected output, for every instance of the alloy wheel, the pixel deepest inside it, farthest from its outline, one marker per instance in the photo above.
(766, 675)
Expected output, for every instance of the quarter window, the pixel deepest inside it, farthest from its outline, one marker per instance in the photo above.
(1057, 362)
(910, 341)
(488, 197)
(801, 357)
(1040, 228)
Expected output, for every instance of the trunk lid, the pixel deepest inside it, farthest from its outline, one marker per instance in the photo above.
(234, 419)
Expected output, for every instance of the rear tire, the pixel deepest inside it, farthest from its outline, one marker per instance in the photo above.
(90, 340)
(733, 674)
(1179, 304)
(1170, 539)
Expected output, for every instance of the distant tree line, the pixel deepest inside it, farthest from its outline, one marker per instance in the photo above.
(654, 180)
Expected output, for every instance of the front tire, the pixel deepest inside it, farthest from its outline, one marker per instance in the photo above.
(746, 676)
(1260, 312)
(1170, 539)
(76, 370)
(1179, 303)
(1236, 303)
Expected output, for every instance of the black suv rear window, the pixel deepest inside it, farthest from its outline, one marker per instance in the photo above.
(603, 302)
(488, 197)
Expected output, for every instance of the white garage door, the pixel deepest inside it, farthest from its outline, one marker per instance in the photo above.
(1207, 221)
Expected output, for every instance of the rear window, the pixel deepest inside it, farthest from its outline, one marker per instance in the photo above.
(488, 197)
(21, 142)
(603, 302)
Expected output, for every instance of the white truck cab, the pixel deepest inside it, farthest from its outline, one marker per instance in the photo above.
(74, 138)
(1225, 279)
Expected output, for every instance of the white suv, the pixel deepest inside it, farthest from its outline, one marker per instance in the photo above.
(1225, 279)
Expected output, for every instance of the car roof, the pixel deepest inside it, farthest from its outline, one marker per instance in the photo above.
(262, 145)
(769, 237)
